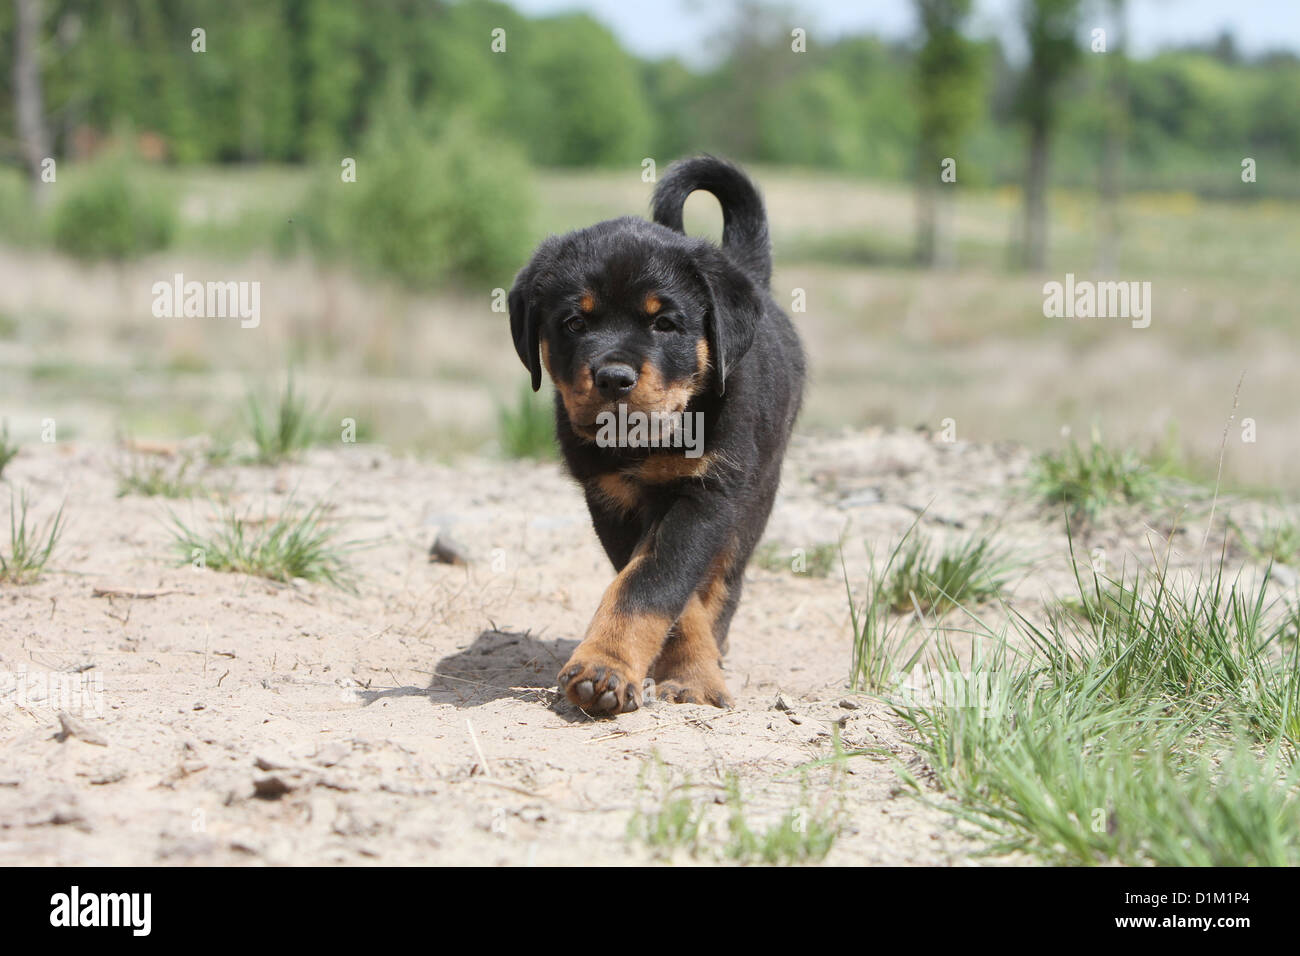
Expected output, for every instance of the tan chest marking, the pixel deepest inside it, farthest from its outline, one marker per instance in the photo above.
(661, 469)
(622, 490)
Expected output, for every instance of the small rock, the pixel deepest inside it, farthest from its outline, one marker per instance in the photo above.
(106, 775)
(783, 703)
(849, 704)
(272, 760)
(447, 551)
(273, 786)
(71, 727)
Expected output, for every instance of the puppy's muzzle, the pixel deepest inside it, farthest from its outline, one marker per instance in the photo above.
(615, 379)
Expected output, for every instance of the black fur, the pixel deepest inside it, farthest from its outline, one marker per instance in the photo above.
(748, 395)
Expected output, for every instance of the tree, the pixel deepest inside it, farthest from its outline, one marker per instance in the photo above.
(1051, 28)
(33, 137)
(948, 84)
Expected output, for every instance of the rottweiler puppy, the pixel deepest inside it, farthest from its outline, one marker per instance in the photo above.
(677, 381)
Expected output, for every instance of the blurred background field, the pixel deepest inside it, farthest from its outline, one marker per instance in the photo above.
(923, 299)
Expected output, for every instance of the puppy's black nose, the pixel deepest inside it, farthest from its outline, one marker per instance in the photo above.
(615, 379)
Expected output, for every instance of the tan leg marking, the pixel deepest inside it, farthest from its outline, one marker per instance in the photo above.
(689, 668)
(605, 673)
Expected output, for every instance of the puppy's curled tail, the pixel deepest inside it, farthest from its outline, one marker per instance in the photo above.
(744, 221)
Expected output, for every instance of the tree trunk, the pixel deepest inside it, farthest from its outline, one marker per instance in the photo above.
(1034, 251)
(33, 138)
(927, 200)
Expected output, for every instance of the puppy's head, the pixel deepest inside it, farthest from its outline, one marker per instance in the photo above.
(631, 312)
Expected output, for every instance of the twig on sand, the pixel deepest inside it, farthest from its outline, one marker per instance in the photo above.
(693, 719)
(513, 788)
(482, 760)
(127, 593)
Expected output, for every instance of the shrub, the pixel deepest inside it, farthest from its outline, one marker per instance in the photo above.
(19, 223)
(425, 211)
(110, 214)
(1089, 480)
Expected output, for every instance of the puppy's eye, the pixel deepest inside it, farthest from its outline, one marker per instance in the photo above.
(665, 324)
(575, 324)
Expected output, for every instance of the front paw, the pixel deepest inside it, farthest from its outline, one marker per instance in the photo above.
(695, 690)
(599, 684)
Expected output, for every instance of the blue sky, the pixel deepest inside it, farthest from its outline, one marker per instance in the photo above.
(657, 28)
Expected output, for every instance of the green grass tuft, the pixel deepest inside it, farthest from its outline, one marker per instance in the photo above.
(682, 823)
(1092, 479)
(1157, 726)
(287, 431)
(29, 547)
(971, 572)
(880, 637)
(527, 428)
(281, 548)
(8, 449)
(803, 834)
(675, 824)
(151, 478)
(1278, 542)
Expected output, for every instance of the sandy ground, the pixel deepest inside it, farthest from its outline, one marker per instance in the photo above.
(223, 719)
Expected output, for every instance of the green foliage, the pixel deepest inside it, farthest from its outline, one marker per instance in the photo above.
(804, 834)
(1051, 29)
(677, 822)
(880, 639)
(425, 211)
(591, 110)
(527, 429)
(970, 572)
(1162, 729)
(151, 478)
(281, 547)
(293, 81)
(949, 81)
(19, 223)
(110, 213)
(835, 114)
(1278, 541)
(293, 428)
(8, 449)
(1089, 480)
(30, 547)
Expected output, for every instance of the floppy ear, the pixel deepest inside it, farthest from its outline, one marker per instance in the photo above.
(524, 325)
(734, 311)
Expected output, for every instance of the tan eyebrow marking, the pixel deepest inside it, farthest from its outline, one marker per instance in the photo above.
(652, 304)
(587, 302)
